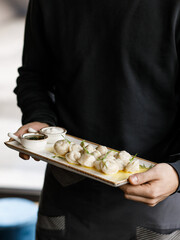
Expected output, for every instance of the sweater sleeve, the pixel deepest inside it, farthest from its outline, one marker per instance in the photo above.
(174, 152)
(34, 88)
(174, 161)
(174, 147)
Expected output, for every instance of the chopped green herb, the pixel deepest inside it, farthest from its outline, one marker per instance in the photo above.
(58, 157)
(143, 166)
(61, 157)
(151, 166)
(133, 157)
(82, 145)
(106, 155)
(86, 150)
(102, 159)
(105, 164)
(115, 151)
(66, 139)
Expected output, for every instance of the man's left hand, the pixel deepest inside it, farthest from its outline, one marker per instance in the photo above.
(153, 186)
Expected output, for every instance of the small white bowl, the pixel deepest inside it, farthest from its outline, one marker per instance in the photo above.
(54, 133)
(34, 141)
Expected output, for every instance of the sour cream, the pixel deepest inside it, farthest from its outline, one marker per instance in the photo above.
(53, 130)
(54, 133)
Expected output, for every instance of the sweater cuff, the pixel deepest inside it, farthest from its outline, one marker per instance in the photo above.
(174, 161)
(40, 117)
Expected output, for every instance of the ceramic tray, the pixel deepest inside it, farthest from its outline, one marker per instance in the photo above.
(48, 156)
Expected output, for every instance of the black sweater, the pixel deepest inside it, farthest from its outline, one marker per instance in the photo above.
(107, 71)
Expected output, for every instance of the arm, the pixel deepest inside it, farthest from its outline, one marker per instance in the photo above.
(162, 180)
(33, 84)
(158, 183)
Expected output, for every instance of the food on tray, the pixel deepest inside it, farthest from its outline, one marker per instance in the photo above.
(75, 147)
(108, 162)
(97, 165)
(73, 156)
(125, 157)
(132, 166)
(102, 149)
(87, 159)
(96, 154)
(52, 130)
(61, 147)
(105, 164)
(90, 148)
(31, 141)
(109, 166)
(35, 137)
(120, 164)
(54, 133)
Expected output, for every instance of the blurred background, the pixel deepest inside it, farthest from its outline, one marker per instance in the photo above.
(17, 177)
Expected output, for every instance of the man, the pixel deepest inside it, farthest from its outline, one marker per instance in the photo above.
(107, 71)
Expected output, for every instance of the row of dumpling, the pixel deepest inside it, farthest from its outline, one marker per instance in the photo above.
(109, 162)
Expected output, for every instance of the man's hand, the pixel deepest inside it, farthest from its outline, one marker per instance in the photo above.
(153, 186)
(24, 129)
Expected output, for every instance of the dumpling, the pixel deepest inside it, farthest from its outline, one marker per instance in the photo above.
(97, 165)
(90, 148)
(124, 157)
(102, 149)
(105, 156)
(87, 160)
(61, 147)
(120, 164)
(75, 147)
(73, 156)
(113, 153)
(109, 166)
(96, 154)
(132, 166)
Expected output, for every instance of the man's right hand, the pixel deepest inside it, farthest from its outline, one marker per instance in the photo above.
(24, 129)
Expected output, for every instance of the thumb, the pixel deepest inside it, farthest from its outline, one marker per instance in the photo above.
(140, 178)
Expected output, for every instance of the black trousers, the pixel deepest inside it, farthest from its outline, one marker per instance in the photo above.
(90, 210)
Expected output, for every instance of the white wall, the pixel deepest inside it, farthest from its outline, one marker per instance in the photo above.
(14, 172)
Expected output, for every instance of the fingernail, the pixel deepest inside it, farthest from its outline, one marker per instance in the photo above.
(134, 179)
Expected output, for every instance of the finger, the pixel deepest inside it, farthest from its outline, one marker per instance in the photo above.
(20, 131)
(150, 202)
(36, 159)
(149, 190)
(24, 156)
(140, 178)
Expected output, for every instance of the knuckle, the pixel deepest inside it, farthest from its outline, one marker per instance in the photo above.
(153, 193)
(126, 196)
(152, 203)
(127, 191)
(156, 170)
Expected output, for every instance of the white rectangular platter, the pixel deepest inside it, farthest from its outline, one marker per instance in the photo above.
(48, 156)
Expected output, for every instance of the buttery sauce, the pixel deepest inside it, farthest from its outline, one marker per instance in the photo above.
(119, 176)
